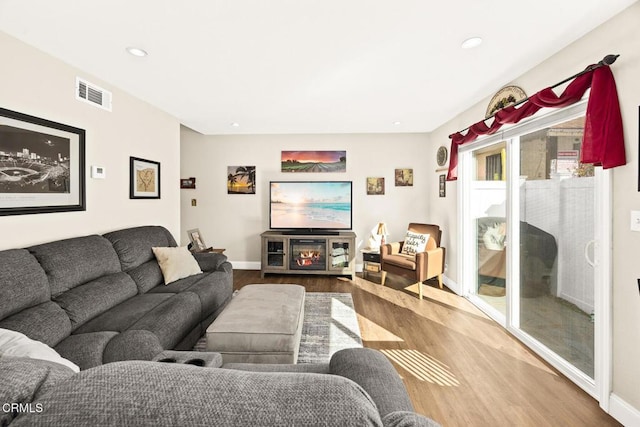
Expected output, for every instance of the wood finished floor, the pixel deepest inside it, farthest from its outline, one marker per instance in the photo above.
(459, 367)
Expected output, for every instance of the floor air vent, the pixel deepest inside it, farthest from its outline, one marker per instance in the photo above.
(95, 95)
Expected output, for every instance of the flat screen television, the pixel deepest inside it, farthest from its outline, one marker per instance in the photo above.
(301, 207)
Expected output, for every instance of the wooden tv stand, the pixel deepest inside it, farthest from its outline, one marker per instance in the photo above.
(287, 253)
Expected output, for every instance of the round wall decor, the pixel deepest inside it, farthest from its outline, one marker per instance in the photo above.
(505, 97)
(442, 155)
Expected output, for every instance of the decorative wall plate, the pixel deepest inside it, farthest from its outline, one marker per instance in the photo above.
(441, 156)
(505, 97)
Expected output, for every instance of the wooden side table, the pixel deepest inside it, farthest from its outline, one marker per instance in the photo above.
(371, 259)
(210, 250)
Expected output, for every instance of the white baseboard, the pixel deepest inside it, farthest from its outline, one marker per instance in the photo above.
(246, 265)
(451, 285)
(623, 412)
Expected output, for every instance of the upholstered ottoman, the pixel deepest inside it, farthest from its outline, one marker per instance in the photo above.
(261, 324)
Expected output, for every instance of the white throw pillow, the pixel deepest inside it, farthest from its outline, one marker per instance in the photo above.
(414, 243)
(176, 263)
(16, 344)
(494, 237)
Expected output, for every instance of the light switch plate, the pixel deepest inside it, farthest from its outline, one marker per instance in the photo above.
(635, 220)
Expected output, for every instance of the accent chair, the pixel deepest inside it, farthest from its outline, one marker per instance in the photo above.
(409, 258)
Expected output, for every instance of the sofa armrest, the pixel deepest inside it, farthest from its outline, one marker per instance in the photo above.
(210, 261)
(372, 371)
(393, 248)
(431, 261)
(132, 345)
(314, 368)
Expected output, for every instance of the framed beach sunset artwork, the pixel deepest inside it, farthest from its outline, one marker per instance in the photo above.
(241, 180)
(314, 161)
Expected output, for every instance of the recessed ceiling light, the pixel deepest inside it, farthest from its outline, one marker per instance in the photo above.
(397, 123)
(471, 42)
(136, 51)
(235, 124)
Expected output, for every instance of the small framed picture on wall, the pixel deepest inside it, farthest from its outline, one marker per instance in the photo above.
(404, 177)
(144, 179)
(375, 186)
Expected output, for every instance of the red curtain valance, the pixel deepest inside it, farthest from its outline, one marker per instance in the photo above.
(603, 142)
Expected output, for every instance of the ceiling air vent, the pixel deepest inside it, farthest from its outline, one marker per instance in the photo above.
(95, 95)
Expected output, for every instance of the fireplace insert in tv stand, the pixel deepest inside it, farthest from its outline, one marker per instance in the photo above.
(284, 253)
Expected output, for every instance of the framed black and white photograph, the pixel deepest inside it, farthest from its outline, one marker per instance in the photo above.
(144, 179)
(442, 185)
(42, 165)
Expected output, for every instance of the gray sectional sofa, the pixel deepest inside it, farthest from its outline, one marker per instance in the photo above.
(358, 387)
(101, 303)
(99, 299)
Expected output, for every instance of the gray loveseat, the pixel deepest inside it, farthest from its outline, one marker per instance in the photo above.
(99, 299)
(358, 387)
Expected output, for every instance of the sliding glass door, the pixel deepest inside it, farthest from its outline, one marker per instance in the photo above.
(487, 216)
(557, 230)
(534, 227)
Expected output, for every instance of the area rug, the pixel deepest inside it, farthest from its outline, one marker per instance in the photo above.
(330, 324)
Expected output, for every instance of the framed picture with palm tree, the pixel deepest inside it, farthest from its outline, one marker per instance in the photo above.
(241, 180)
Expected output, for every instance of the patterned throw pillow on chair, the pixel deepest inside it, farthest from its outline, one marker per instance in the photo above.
(414, 243)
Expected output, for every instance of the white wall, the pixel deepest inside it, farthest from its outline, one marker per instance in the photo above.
(621, 36)
(35, 83)
(234, 221)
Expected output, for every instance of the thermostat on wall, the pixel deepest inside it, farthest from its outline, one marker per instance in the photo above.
(98, 172)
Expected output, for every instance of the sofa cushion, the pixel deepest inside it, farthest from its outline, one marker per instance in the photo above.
(146, 276)
(401, 260)
(23, 283)
(213, 289)
(15, 344)
(149, 393)
(23, 380)
(172, 319)
(72, 262)
(46, 322)
(85, 350)
(175, 263)
(133, 245)
(124, 315)
(85, 302)
(169, 316)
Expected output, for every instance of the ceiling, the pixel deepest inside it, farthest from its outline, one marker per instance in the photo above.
(306, 66)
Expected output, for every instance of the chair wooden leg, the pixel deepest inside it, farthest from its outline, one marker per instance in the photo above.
(383, 278)
(420, 289)
(440, 280)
